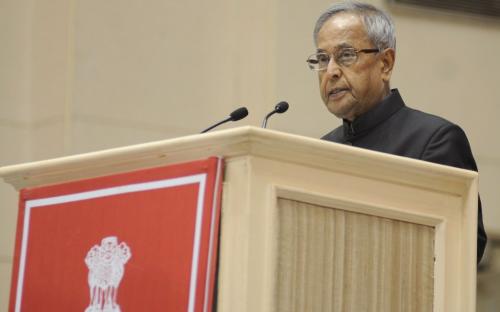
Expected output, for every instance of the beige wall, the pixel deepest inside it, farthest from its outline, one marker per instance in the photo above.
(79, 76)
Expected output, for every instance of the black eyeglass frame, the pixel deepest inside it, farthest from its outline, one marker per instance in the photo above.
(312, 62)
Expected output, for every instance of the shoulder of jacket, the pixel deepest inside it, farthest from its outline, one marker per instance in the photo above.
(429, 121)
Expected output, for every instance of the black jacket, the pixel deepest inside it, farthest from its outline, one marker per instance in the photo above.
(392, 127)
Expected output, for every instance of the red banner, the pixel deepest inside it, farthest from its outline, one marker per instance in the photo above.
(139, 241)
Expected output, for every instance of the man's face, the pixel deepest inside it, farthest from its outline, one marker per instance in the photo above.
(353, 90)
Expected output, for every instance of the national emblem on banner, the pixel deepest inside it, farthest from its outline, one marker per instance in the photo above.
(106, 265)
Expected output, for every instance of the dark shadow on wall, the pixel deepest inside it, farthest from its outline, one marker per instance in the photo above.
(488, 277)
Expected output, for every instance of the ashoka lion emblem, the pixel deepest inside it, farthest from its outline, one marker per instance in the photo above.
(106, 264)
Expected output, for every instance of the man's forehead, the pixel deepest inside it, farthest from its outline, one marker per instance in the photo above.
(344, 20)
(341, 30)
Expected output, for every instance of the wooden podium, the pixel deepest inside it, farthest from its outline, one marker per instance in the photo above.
(309, 225)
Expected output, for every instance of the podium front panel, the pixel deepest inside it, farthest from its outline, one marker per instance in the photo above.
(335, 260)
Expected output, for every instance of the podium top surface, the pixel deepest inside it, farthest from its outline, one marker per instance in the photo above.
(239, 142)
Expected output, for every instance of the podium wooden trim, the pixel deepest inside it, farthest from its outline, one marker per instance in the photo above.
(264, 167)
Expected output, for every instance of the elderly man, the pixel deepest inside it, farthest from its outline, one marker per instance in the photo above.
(354, 60)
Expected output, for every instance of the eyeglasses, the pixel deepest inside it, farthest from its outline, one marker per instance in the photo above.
(343, 57)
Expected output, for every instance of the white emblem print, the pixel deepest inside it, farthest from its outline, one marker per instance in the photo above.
(106, 264)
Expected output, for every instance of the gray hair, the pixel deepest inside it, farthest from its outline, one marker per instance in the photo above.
(378, 24)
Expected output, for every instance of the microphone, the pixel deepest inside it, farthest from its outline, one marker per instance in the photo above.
(238, 114)
(281, 107)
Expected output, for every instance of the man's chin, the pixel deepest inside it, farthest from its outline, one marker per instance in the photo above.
(340, 111)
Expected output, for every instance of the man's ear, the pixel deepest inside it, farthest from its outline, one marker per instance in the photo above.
(388, 58)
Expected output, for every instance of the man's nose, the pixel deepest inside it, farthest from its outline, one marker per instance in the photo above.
(333, 69)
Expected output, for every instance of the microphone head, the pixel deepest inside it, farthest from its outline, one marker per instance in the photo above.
(281, 107)
(238, 114)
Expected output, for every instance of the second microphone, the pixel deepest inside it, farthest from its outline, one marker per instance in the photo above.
(281, 107)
